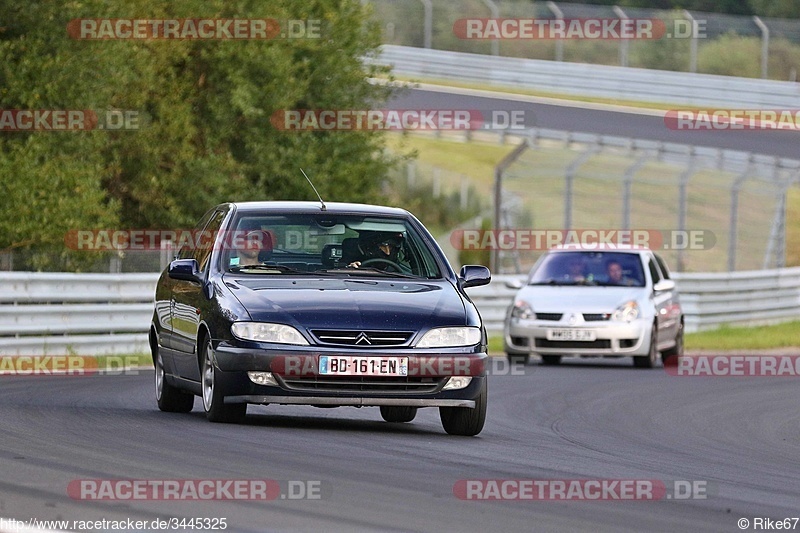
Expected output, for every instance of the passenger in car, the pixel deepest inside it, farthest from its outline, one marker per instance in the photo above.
(616, 276)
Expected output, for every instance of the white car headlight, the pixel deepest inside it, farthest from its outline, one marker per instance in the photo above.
(267, 332)
(449, 337)
(522, 310)
(626, 312)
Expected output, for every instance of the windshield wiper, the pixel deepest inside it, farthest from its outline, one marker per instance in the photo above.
(368, 270)
(559, 283)
(278, 269)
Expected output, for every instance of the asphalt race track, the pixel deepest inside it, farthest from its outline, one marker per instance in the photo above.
(737, 438)
(649, 125)
(588, 419)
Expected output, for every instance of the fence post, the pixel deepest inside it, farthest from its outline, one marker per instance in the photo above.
(559, 42)
(496, 15)
(428, 23)
(623, 43)
(764, 46)
(693, 42)
(569, 177)
(501, 167)
(683, 198)
(733, 227)
(167, 253)
(777, 238)
(115, 264)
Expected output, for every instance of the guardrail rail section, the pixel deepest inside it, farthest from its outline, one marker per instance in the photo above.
(597, 81)
(83, 314)
(90, 314)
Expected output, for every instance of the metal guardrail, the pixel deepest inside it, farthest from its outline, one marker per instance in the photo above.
(598, 81)
(686, 34)
(86, 314)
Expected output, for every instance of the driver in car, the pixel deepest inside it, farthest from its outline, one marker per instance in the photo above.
(381, 250)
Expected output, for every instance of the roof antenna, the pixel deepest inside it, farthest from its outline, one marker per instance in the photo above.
(315, 189)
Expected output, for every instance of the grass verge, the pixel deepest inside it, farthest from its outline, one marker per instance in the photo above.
(746, 338)
(538, 94)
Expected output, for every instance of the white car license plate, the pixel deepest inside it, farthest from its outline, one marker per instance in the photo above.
(570, 335)
(341, 365)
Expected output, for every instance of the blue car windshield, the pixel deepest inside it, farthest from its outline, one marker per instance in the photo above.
(587, 268)
(329, 244)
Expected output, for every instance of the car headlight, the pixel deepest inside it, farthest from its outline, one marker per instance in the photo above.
(267, 332)
(522, 310)
(626, 312)
(449, 337)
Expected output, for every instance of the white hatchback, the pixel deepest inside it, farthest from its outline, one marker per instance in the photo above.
(588, 302)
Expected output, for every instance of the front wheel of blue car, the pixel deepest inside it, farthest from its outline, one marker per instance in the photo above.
(466, 421)
(213, 401)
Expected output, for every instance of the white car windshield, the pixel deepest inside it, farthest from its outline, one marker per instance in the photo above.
(589, 268)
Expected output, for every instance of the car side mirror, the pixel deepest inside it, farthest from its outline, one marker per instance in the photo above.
(664, 285)
(474, 276)
(184, 269)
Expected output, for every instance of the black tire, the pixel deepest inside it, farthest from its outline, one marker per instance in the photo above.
(677, 350)
(649, 361)
(169, 398)
(551, 360)
(398, 413)
(518, 358)
(466, 421)
(213, 400)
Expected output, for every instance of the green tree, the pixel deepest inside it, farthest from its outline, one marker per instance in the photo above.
(205, 105)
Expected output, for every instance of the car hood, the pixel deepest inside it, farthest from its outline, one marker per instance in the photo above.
(547, 299)
(336, 303)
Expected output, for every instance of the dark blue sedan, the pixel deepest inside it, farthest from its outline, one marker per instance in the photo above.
(324, 305)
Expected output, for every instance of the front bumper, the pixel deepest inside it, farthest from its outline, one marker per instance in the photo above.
(611, 338)
(355, 402)
(298, 382)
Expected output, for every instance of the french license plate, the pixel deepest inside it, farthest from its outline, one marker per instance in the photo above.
(342, 365)
(570, 335)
